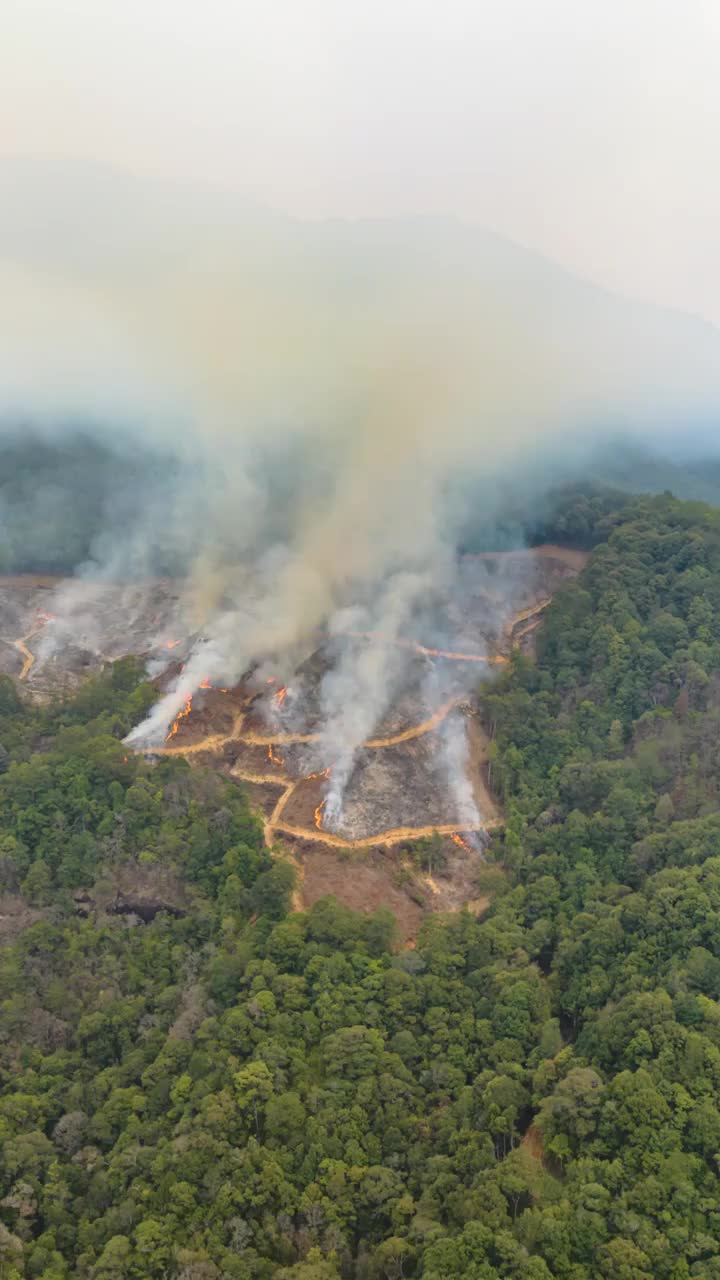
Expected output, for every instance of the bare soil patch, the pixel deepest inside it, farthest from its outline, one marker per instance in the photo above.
(363, 883)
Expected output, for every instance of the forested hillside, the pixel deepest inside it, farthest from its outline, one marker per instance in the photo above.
(224, 1089)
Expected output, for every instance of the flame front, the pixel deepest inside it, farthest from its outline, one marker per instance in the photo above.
(280, 696)
(321, 773)
(176, 723)
(271, 756)
(461, 844)
(172, 644)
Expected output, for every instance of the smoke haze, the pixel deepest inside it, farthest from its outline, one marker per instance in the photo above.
(288, 413)
(587, 131)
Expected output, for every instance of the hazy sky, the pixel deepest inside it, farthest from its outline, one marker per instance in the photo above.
(587, 128)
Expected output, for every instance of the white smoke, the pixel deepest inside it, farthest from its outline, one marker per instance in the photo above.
(455, 758)
(357, 690)
(327, 384)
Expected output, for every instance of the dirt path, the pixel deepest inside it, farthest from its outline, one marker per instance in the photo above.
(526, 614)
(28, 657)
(41, 621)
(417, 730)
(531, 617)
(263, 779)
(273, 820)
(215, 741)
(396, 835)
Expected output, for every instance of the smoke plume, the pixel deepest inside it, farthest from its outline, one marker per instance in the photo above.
(286, 414)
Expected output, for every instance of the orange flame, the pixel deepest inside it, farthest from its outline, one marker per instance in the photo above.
(205, 683)
(172, 644)
(280, 696)
(321, 773)
(461, 844)
(271, 756)
(185, 712)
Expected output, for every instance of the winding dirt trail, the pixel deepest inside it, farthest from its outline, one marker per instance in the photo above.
(21, 645)
(318, 835)
(531, 612)
(396, 835)
(263, 779)
(28, 657)
(417, 730)
(532, 618)
(215, 741)
(272, 823)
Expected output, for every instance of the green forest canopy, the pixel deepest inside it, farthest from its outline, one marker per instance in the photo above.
(235, 1091)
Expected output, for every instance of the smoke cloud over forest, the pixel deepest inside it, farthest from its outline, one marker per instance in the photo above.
(301, 419)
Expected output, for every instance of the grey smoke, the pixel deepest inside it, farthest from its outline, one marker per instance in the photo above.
(320, 391)
(357, 690)
(455, 758)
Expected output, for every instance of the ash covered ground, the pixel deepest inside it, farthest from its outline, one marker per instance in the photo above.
(55, 632)
(421, 765)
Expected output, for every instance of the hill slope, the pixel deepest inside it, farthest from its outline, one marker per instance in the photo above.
(226, 1090)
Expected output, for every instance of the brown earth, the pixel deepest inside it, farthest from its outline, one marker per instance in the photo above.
(532, 1142)
(363, 883)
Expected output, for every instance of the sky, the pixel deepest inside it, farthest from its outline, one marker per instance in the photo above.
(587, 129)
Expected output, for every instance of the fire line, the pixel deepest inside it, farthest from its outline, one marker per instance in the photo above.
(181, 716)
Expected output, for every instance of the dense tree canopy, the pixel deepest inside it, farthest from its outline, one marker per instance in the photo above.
(230, 1090)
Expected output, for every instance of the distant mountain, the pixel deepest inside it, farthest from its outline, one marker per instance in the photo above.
(123, 293)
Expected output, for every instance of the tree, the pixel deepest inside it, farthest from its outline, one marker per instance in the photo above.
(623, 1260)
(114, 1261)
(37, 885)
(571, 1112)
(392, 1259)
(253, 1088)
(152, 1249)
(270, 895)
(315, 1267)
